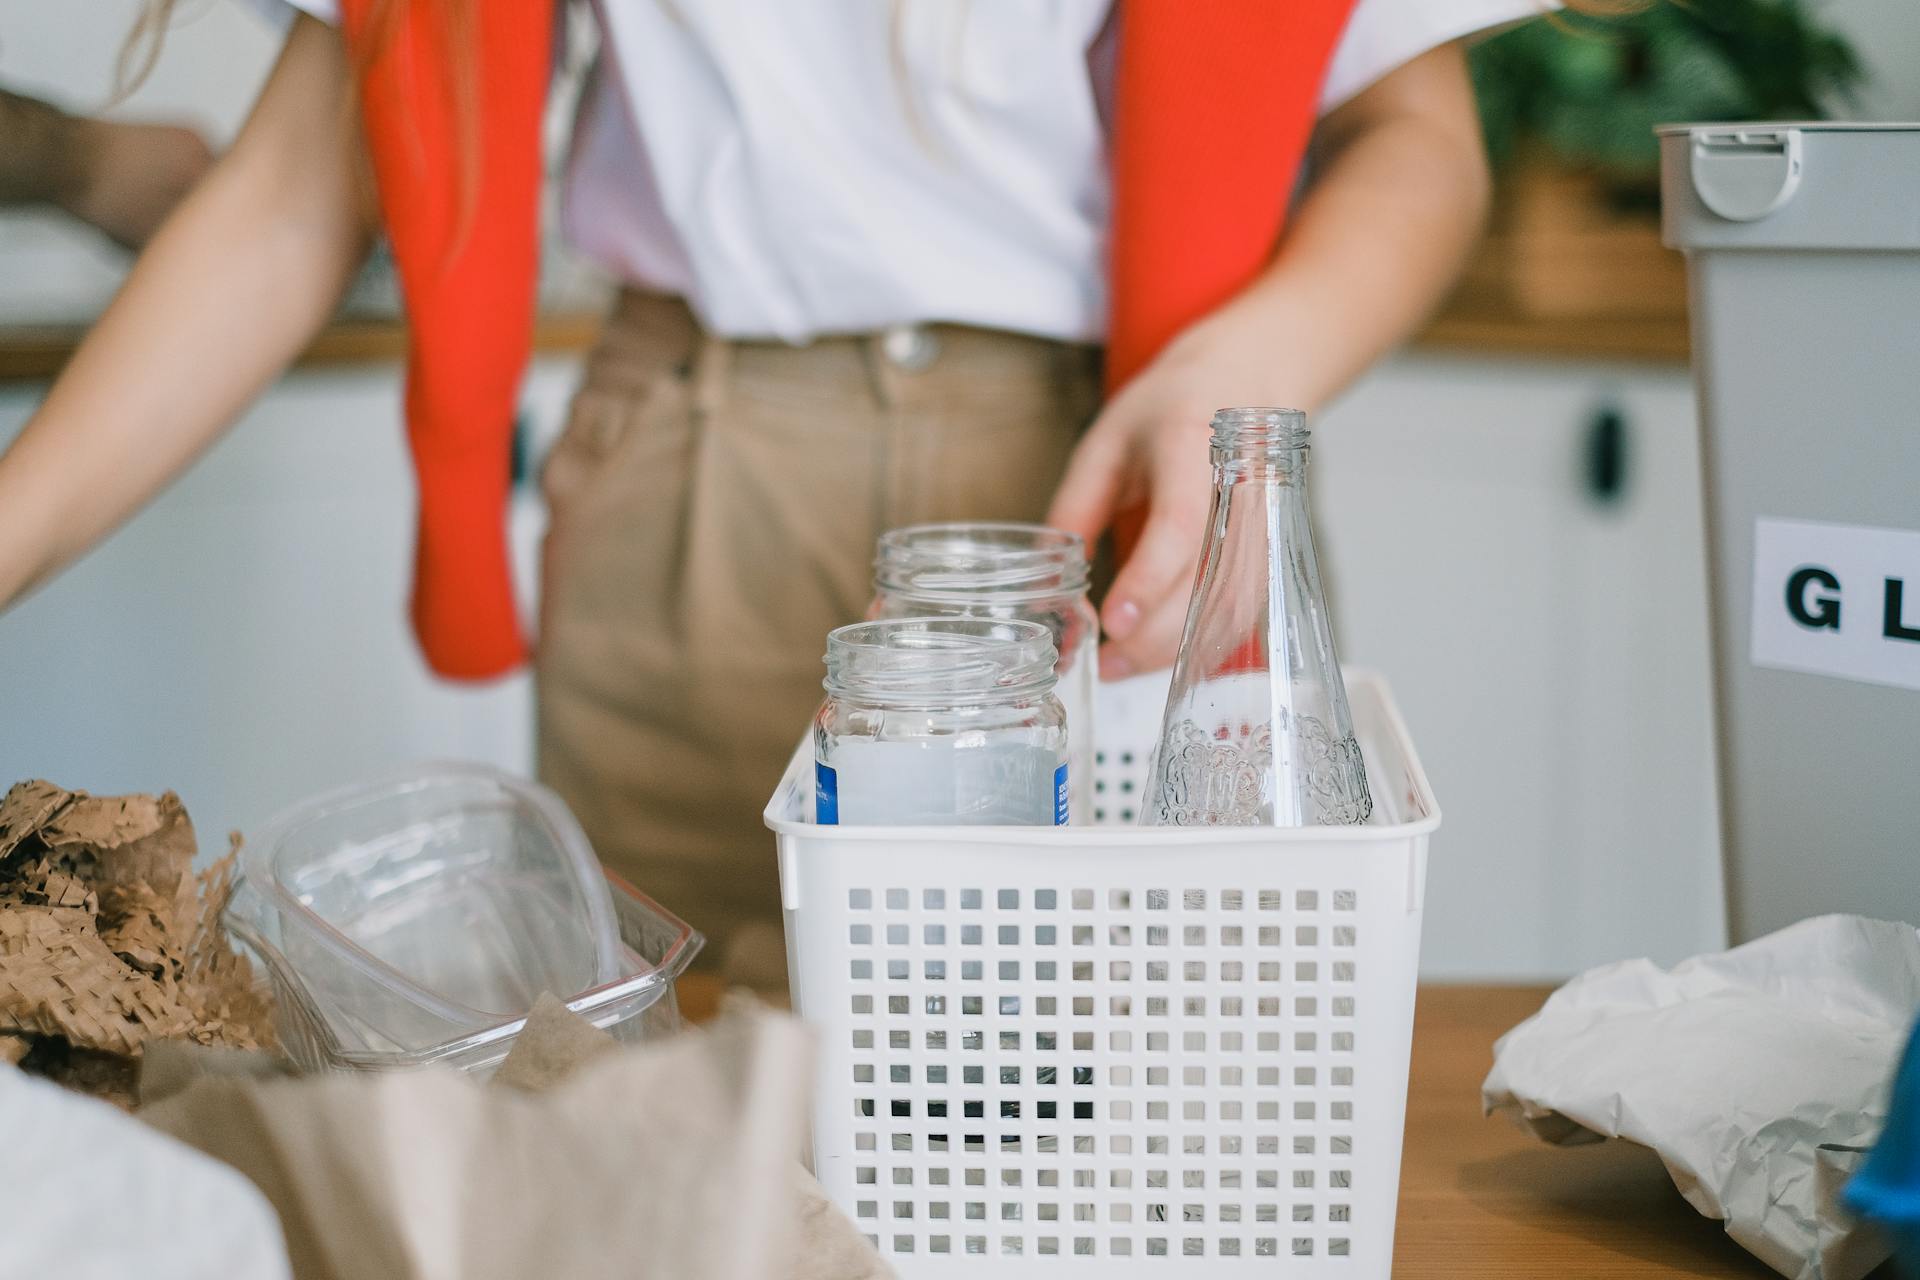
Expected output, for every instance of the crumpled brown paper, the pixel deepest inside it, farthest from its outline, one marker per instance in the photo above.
(108, 939)
(673, 1159)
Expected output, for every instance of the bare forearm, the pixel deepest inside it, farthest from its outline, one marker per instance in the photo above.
(1375, 243)
(230, 290)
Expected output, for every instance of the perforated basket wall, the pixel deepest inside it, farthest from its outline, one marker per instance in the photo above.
(1090, 1051)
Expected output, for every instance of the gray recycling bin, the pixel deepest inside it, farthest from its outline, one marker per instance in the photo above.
(1803, 256)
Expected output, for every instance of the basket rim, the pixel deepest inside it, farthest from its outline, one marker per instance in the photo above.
(1361, 684)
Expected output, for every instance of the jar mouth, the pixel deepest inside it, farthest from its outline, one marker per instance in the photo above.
(1269, 431)
(939, 662)
(963, 562)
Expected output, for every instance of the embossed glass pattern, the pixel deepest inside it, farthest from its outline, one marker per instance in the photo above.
(1257, 730)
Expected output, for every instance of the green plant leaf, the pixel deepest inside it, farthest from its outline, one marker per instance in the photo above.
(1590, 89)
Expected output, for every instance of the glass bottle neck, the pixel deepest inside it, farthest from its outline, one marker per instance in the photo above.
(1246, 468)
(1268, 445)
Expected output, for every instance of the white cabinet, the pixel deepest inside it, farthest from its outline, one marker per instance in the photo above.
(1549, 650)
(244, 640)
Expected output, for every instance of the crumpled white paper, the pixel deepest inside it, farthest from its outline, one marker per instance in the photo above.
(1759, 1074)
(90, 1193)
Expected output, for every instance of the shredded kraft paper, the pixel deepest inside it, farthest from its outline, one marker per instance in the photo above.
(109, 940)
(582, 1158)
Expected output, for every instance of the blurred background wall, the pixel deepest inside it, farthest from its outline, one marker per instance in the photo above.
(1510, 513)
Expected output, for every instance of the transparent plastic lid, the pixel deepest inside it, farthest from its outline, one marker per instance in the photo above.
(440, 899)
(639, 1006)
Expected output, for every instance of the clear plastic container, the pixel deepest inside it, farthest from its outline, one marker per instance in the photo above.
(414, 910)
(1024, 572)
(637, 1007)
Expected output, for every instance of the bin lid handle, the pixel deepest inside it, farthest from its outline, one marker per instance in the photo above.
(1746, 174)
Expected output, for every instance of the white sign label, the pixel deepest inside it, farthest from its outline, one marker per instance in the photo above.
(1837, 600)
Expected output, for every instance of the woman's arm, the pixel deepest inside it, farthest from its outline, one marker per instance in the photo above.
(235, 284)
(1400, 193)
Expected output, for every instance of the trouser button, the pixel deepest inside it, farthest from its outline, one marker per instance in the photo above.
(911, 347)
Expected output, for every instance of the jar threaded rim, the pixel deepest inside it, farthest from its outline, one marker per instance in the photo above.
(940, 661)
(967, 561)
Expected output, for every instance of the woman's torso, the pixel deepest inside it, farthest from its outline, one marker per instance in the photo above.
(844, 165)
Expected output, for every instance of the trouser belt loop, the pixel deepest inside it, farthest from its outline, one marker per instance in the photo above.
(712, 362)
(882, 373)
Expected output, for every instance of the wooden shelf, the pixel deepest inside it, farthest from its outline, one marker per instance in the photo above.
(1465, 325)
(1558, 275)
(1470, 329)
(37, 353)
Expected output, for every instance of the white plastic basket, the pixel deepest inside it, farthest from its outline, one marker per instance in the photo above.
(1094, 1050)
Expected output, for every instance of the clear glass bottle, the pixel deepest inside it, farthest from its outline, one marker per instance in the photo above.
(1257, 731)
(1027, 572)
(943, 722)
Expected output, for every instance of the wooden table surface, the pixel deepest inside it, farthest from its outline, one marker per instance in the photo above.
(1481, 1198)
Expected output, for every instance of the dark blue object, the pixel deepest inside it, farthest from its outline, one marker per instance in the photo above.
(1887, 1188)
(1607, 456)
(520, 455)
(826, 795)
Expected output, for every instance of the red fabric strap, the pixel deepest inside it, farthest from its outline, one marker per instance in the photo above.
(468, 258)
(1213, 105)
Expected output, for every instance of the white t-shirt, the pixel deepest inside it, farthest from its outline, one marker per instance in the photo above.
(840, 166)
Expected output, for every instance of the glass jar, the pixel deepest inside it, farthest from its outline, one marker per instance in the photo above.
(1023, 572)
(1257, 731)
(940, 722)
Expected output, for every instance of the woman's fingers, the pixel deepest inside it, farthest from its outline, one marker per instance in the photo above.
(1088, 493)
(1154, 583)
(1133, 452)
(1162, 561)
(1154, 644)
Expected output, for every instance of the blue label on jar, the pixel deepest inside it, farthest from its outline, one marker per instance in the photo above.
(826, 795)
(1060, 795)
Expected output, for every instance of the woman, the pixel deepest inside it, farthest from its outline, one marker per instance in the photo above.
(864, 251)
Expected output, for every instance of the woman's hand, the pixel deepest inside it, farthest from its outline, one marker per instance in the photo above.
(1399, 192)
(1148, 450)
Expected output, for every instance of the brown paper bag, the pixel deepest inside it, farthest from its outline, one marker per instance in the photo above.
(671, 1160)
(558, 1041)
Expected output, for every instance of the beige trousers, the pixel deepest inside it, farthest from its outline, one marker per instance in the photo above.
(714, 506)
